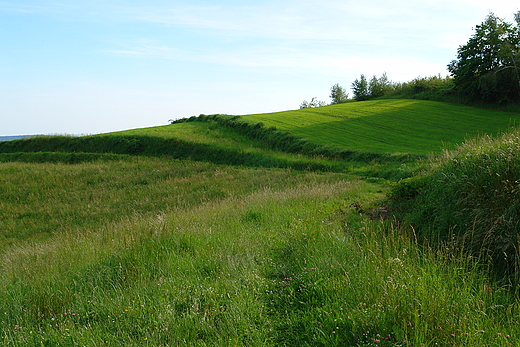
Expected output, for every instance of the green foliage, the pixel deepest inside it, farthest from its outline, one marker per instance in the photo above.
(470, 196)
(487, 65)
(379, 86)
(338, 94)
(360, 88)
(375, 88)
(313, 103)
(435, 88)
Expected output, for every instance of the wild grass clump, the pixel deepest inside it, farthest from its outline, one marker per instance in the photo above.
(471, 196)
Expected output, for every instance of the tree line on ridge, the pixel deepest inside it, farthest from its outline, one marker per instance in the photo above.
(486, 70)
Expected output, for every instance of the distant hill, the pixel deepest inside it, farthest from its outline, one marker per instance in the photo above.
(17, 137)
(380, 130)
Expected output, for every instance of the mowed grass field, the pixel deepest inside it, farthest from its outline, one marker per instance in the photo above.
(390, 126)
(375, 126)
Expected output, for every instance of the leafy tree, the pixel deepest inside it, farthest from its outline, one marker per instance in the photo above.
(313, 103)
(378, 87)
(338, 94)
(360, 88)
(487, 65)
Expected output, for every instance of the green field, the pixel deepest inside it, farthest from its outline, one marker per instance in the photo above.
(379, 126)
(203, 234)
(402, 126)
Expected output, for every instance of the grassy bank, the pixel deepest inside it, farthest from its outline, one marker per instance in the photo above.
(470, 197)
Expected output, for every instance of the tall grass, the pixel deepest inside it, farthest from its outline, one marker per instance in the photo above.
(287, 262)
(471, 196)
(41, 200)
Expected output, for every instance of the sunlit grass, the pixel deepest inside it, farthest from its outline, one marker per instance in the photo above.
(40, 200)
(199, 132)
(392, 126)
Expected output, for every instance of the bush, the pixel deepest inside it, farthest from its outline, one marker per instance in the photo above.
(470, 196)
(425, 88)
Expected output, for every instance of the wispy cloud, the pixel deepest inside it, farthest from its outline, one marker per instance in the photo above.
(17, 7)
(149, 50)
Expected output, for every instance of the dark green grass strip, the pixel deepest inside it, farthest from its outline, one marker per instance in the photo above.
(78, 149)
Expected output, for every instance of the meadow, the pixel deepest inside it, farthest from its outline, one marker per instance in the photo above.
(100, 246)
(393, 126)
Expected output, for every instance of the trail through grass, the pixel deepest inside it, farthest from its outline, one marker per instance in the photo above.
(289, 261)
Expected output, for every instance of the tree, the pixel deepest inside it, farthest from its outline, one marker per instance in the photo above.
(360, 88)
(378, 87)
(313, 103)
(338, 94)
(487, 65)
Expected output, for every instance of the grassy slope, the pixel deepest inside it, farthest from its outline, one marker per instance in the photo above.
(201, 141)
(380, 126)
(160, 252)
(205, 133)
(402, 126)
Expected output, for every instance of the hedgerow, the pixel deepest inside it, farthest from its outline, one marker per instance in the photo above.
(284, 141)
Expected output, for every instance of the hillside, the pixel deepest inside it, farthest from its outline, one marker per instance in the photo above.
(223, 231)
(403, 126)
(369, 128)
(376, 126)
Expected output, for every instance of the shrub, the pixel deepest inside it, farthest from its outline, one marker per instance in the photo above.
(425, 88)
(470, 196)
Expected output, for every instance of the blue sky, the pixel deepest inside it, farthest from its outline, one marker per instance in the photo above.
(86, 67)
